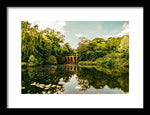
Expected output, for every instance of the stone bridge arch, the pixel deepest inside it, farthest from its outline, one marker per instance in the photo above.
(71, 59)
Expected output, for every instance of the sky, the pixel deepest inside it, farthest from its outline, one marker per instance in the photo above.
(73, 30)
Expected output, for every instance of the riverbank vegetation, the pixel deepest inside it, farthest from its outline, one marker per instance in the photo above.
(110, 56)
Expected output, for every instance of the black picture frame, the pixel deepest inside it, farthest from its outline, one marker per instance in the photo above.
(65, 3)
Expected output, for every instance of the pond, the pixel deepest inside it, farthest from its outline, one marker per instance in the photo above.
(71, 79)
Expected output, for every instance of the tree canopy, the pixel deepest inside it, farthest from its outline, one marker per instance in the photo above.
(42, 43)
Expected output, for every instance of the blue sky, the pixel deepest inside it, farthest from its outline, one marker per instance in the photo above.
(73, 30)
(92, 29)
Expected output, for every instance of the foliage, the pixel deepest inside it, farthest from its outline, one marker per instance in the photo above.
(42, 43)
(32, 61)
(113, 61)
(60, 60)
(23, 64)
(67, 50)
(98, 47)
(124, 45)
(51, 60)
(87, 63)
(110, 56)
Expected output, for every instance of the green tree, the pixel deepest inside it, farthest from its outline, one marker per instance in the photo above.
(56, 38)
(113, 43)
(67, 50)
(40, 43)
(83, 48)
(124, 45)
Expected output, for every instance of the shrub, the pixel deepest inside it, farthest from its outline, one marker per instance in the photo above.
(32, 61)
(111, 63)
(87, 63)
(51, 60)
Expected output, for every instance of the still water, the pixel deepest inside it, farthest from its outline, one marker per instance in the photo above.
(71, 79)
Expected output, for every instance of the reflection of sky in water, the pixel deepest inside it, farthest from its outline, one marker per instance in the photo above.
(72, 87)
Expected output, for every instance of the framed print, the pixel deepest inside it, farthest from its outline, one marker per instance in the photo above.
(75, 57)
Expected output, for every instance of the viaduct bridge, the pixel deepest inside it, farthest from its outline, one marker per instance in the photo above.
(71, 59)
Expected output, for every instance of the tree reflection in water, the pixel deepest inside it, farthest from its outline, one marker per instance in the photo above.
(50, 79)
(99, 80)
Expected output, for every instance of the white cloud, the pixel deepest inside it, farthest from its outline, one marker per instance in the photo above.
(56, 25)
(106, 36)
(125, 30)
(78, 35)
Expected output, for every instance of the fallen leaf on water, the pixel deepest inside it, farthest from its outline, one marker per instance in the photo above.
(48, 85)
(22, 87)
(53, 85)
(46, 88)
(34, 83)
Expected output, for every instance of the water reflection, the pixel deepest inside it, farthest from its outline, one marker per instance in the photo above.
(71, 79)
